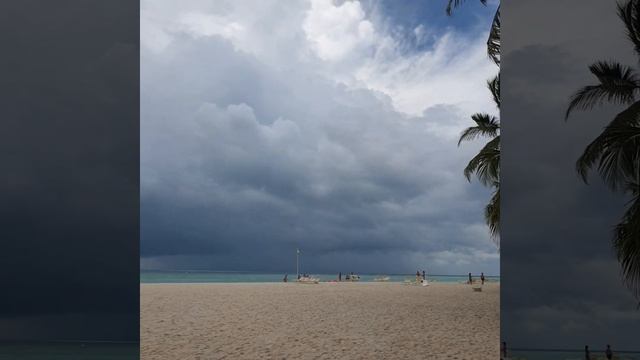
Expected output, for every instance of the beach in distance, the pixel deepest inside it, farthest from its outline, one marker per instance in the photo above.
(345, 320)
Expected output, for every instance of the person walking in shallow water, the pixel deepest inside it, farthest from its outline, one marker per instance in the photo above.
(608, 352)
(424, 275)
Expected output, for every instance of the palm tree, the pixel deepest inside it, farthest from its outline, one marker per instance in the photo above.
(493, 41)
(486, 164)
(615, 153)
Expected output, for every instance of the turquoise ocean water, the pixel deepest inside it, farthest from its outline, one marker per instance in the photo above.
(247, 277)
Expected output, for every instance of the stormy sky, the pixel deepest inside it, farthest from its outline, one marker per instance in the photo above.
(561, 286)
(328, 126)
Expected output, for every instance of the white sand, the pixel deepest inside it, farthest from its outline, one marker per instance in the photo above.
(324, 321)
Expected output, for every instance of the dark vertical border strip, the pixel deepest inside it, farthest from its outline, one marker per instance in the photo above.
(69, 186)
(562, 287)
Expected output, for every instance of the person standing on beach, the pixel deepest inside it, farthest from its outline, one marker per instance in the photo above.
(482, 278)
(424, 275)
(340, 276)
(503, 350)
(285, 277)
(608, 352)
(470, 279)
(587, 355)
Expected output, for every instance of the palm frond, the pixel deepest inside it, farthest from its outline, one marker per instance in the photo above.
(629, 12)
(626, 242)
(492, 214)
(486, 164)
(487, 125)
(618, 84)
(493, 42)
(616, 151)
(494, 87)
(453, 4)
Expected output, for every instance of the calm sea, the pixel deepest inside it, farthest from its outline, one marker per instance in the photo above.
(246, 277)
(568, 355)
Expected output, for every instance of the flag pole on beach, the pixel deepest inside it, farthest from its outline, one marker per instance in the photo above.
(297, 263)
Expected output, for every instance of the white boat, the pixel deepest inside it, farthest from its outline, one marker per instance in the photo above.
(383, 278)
(416, 282)
(352, 277)
(303, 279)
(308, 280)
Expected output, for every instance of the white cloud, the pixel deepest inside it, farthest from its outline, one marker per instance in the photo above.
(348, 48)
(334, 31)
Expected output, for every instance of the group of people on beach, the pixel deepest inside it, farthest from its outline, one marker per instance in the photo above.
(608, 353)
(471, 279)
(346, 276)
(419, 277)
(286, 277)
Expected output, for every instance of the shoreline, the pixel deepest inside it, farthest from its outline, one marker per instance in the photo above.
(431, 283)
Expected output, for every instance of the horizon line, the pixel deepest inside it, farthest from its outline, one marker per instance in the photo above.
(318, 273)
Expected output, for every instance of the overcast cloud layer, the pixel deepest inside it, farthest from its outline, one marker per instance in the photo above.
(271, 125)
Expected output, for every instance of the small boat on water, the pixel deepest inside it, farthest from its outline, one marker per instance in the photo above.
(382, 278)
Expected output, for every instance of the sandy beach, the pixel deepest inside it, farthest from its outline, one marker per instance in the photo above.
(323, 321)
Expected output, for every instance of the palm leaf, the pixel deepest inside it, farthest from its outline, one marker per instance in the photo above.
(492, 214)
(493, 42)
(453, 4)
(616, 151)
(486, 164)
(629, 12)
(618, 84)
(487, 125)
(494, 87)
(626, 242)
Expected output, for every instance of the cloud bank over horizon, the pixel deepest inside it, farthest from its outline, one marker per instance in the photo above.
(328, 126)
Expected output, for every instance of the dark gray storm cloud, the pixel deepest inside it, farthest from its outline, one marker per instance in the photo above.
(247, 153)
(561, 285)
(69, 189)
